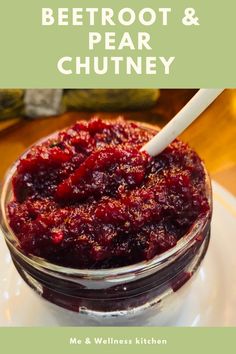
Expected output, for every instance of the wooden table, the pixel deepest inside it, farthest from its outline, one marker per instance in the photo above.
(213, 135)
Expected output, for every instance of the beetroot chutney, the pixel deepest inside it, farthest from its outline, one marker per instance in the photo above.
(88, 198)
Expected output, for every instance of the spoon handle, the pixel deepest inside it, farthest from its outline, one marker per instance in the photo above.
(191, 111)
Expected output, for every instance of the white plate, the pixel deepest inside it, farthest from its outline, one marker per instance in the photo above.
(210, 302)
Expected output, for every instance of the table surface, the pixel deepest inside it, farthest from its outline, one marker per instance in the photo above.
(212, 135)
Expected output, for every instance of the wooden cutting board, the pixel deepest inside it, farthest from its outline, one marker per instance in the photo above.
(8, 123)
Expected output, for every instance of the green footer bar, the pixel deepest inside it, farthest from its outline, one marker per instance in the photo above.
(117, 340)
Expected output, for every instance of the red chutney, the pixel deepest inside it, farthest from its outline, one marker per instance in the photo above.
(88, 198)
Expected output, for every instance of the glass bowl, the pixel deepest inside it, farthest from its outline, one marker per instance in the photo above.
(149, 292)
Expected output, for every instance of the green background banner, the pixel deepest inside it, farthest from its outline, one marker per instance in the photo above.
(205, 55)
(174, 340)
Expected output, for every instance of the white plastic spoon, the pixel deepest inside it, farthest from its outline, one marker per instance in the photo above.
(181, 121)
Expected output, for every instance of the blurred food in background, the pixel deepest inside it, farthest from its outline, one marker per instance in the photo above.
(11, 103)
(35, 103)
(109, 100)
